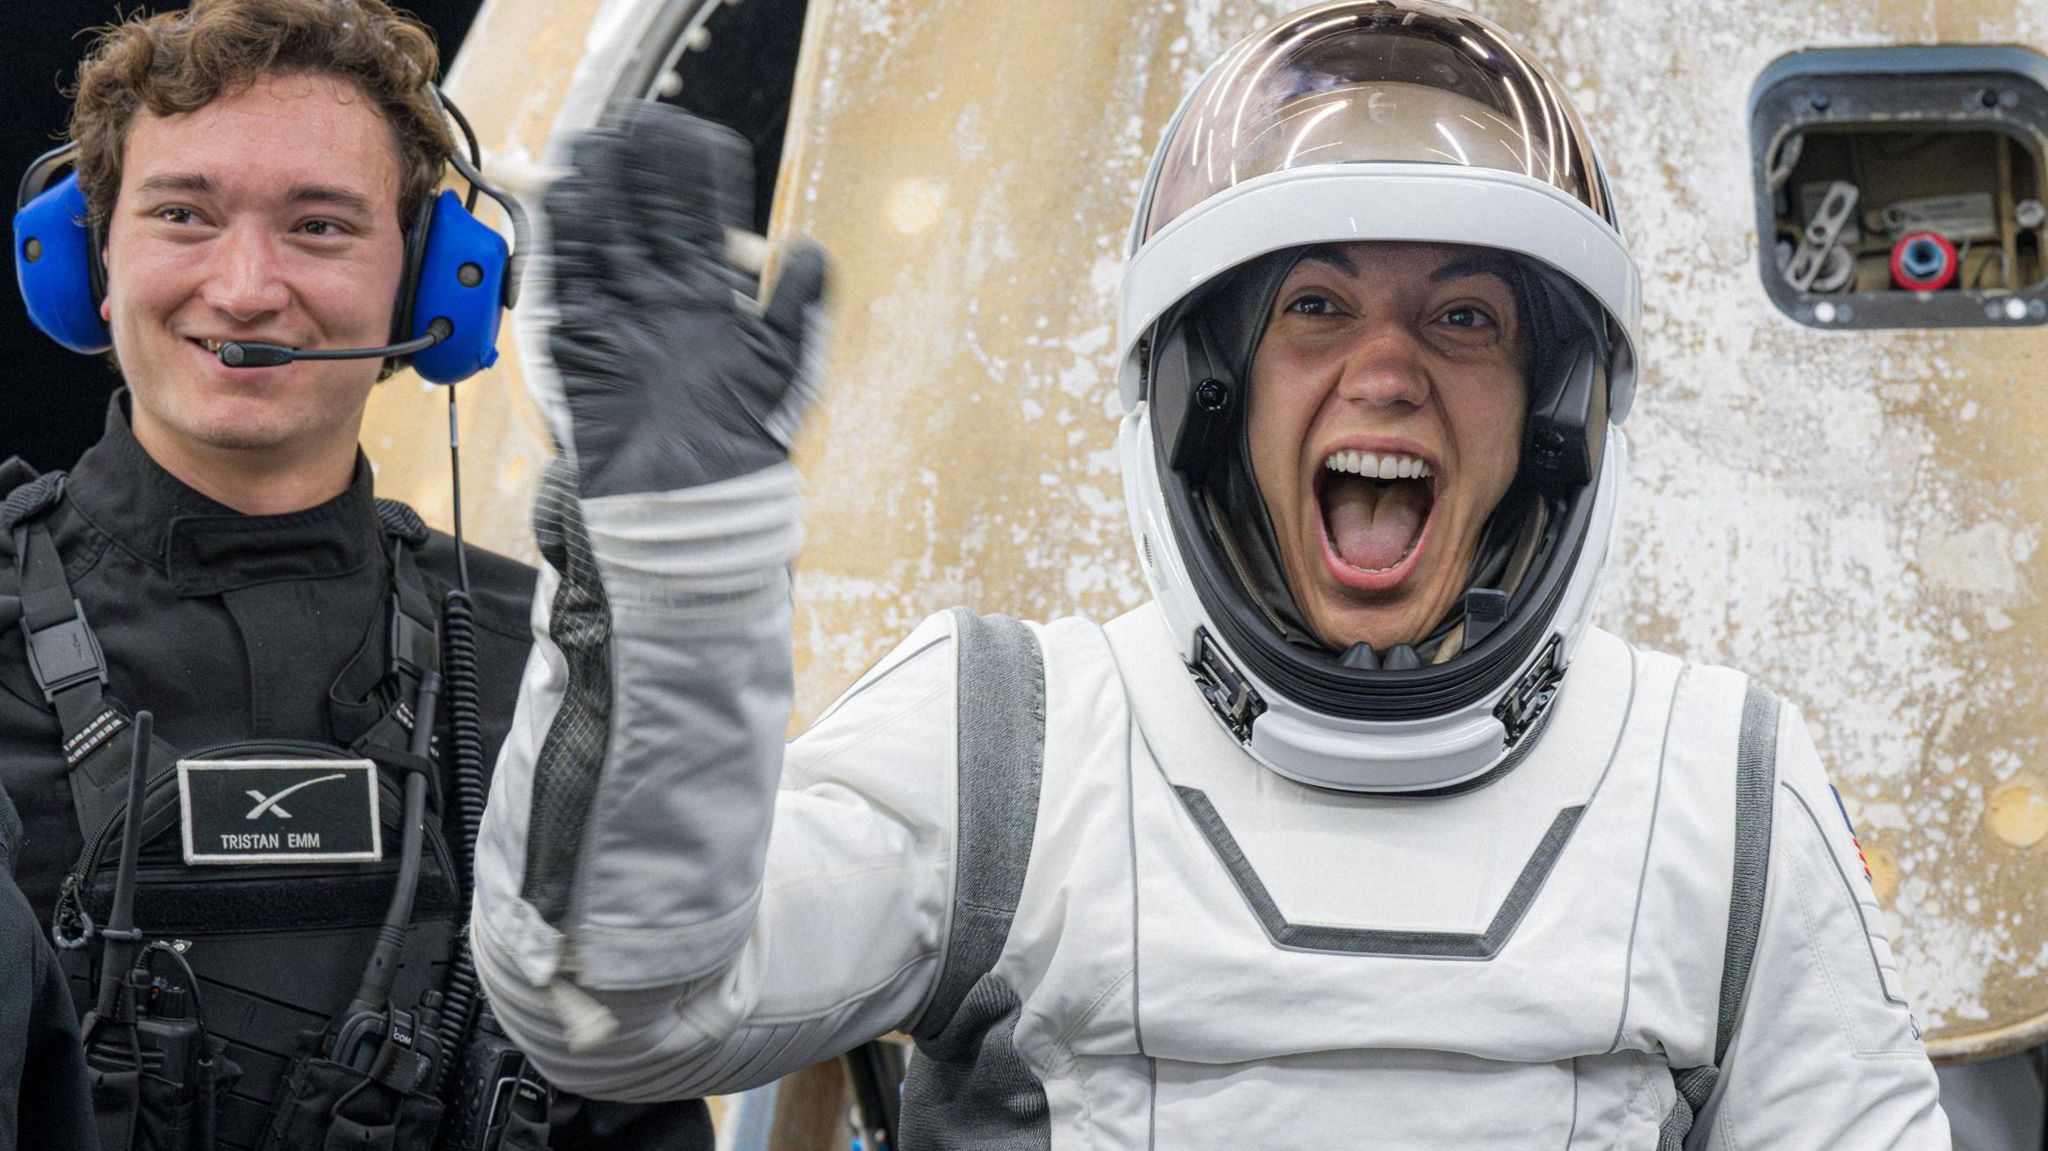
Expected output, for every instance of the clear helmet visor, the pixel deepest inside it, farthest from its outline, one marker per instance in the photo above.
(1350, 82)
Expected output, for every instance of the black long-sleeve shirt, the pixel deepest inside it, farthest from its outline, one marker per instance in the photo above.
(229, 627)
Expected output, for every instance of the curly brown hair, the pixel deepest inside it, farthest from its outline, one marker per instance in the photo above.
(181, 61)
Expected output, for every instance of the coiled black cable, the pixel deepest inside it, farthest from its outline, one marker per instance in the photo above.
(466, 752)
(465, 727)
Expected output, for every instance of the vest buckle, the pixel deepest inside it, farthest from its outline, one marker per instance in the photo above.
(64, 654)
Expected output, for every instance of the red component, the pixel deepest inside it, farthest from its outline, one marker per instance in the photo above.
(1923, 261)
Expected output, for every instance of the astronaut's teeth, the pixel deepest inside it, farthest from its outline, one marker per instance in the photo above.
(210, 345)
(1371, 465)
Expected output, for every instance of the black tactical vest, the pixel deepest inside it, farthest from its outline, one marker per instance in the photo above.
(309, 625)
(272, 911)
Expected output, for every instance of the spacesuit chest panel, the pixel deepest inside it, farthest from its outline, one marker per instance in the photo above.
(1285, 924)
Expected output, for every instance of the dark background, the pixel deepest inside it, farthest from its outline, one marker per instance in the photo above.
(55, 401)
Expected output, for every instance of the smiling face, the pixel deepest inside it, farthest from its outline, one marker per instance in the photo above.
(270, 214)
(1387, 401)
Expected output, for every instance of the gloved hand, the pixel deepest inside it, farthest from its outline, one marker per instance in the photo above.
(672, 374)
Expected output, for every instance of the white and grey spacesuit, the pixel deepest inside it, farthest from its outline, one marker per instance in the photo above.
(1195, 878)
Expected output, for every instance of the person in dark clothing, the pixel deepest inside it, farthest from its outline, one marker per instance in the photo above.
(226, 626)
(262, 171)
(42, 1069)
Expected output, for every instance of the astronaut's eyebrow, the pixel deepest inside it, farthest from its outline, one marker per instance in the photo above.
(1334, 256)
(1458, 268)
(1482, 264)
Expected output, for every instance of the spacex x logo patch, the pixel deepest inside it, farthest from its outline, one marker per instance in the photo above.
(268, 804)
(279, 811)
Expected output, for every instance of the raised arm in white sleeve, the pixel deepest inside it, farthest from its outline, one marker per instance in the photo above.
(696, 952)
(637, 931)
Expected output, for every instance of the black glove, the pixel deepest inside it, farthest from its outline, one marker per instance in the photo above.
(673, 375)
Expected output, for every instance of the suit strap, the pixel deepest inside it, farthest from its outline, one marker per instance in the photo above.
(966, 1086)
(1001, 749)
(1756, 780)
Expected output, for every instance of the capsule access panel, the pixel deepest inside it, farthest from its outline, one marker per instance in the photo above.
(1903, 187)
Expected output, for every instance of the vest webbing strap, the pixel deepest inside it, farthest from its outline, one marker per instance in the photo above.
(68, 665)
(65, 658)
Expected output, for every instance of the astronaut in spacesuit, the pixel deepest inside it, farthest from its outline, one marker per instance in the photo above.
(1357, 833)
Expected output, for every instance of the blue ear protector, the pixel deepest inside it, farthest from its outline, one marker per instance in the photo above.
(54, 258)
(459, 274)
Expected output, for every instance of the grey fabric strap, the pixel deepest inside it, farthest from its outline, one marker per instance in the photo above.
(967, 1087)
(1001, 736)
(1756, 777)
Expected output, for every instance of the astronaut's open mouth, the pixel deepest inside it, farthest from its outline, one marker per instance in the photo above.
(1375, 506)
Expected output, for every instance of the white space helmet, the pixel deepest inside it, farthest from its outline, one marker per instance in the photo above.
(1350, 121)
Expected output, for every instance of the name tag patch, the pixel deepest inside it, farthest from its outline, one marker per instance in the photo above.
(279, 811)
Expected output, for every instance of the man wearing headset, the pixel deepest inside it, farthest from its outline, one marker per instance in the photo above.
(258, 179)
(1357, 834)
